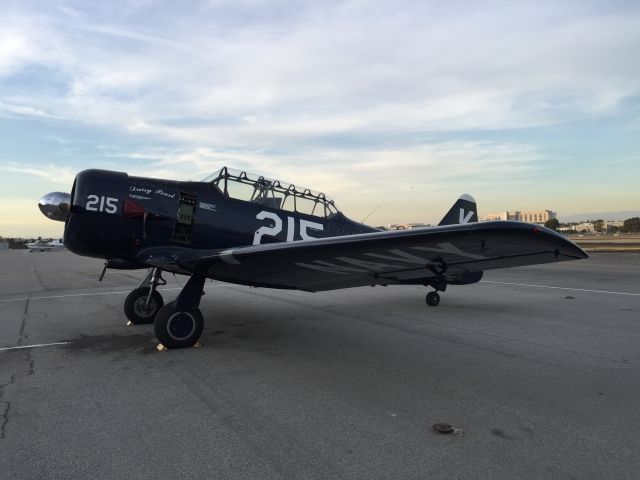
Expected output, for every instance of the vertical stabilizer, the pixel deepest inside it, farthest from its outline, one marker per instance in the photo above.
(463, 211)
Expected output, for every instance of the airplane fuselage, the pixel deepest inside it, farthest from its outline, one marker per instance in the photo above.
(114, 216)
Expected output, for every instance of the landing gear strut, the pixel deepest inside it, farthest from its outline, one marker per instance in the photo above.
(143, 303)
(180, 323)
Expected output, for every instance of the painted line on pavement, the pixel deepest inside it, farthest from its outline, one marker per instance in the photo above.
(562, 288)
(70, 295)
(4, 349)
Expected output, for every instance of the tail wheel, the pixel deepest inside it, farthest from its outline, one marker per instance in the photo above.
(433, 299)
(136, 308)
(178, 328)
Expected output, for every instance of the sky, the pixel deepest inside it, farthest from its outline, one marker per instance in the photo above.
(391, 107)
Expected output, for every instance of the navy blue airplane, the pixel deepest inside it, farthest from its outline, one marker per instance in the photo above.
(241, 228)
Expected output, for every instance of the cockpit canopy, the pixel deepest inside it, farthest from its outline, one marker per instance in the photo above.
(272, 193)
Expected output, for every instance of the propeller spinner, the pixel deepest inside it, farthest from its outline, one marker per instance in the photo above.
(55, 205)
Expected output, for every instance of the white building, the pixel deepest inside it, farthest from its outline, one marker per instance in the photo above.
(587, 227)
(531, 216)
(490, 217)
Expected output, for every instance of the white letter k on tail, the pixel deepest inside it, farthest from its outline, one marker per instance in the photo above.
(463, 218)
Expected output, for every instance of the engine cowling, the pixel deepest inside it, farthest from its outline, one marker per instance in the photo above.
(95, 215)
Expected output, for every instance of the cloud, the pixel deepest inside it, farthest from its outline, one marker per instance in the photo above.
(28, 39)
(21, 111)
(55, 173)
(364, 172)
(348, 67)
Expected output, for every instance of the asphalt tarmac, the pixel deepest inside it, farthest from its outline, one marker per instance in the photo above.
(541, 382)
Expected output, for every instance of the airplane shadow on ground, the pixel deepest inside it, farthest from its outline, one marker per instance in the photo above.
(269, 322)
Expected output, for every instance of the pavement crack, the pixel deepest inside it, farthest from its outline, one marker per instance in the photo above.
(5, 418)
(7, 406)
(38, 279)
(31, 367)
(25, 315)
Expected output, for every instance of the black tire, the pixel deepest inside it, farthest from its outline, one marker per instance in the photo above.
(433, 299)
(176, 328)
(134, 306)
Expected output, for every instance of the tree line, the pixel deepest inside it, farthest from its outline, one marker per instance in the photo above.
(630, 225)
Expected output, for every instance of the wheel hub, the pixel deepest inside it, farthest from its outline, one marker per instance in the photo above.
(181, 325)
(141, 308)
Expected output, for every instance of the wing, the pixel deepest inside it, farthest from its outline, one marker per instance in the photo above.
(379, 258)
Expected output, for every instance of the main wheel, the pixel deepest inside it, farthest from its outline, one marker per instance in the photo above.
(136, 309)
(433, 299)
(177, 328)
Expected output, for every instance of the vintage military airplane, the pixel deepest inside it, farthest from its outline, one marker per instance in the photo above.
(245, 229)
(39, 246)
(45, 245)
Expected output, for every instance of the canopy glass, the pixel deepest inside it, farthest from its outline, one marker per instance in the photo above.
(272, 193)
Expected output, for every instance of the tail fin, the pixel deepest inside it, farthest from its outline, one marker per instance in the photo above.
(463, 211)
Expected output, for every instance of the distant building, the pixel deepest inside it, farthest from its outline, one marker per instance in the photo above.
(4, 245)
(411, 226)
(587, 227)
(608, 226)
(531, 216)
(538, 216)
(612, 224)
(490, 217)
(406, 226)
